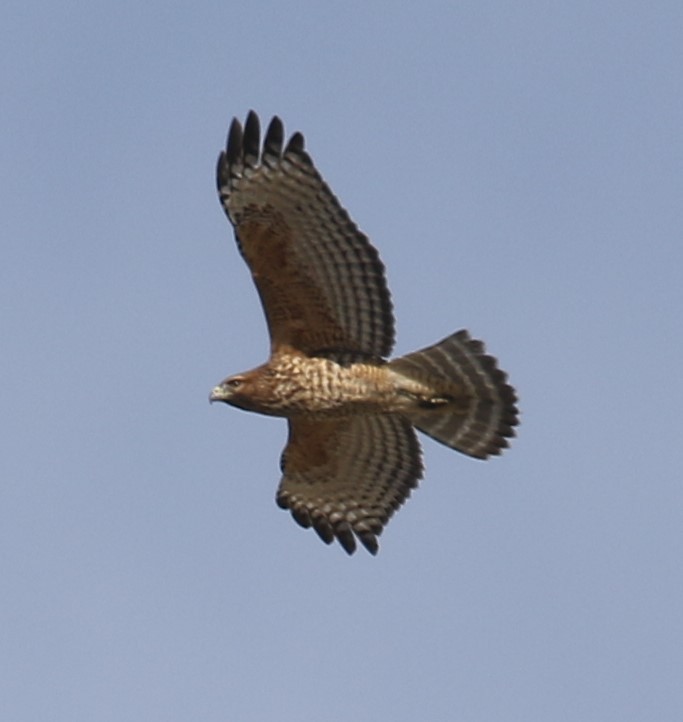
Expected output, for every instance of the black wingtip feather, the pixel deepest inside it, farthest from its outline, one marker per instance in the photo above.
(252, 139)
(222, 172)
(274, 138)
(323, 529)
(302, 517)
(369, 541)
(234, 146)
(295, 144)
(345, 537)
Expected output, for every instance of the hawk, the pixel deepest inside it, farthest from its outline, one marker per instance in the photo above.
(352, 456)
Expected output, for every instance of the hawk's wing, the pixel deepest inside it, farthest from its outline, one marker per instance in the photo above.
(347, 476)
(321, 283)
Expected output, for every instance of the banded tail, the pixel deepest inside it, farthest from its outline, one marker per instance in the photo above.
(473, 408)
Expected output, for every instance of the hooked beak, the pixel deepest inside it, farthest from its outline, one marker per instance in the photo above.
(220, 393)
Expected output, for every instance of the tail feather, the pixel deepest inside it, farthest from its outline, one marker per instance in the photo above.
(473, 408)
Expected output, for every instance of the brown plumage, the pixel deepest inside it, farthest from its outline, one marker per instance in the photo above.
(352, 456)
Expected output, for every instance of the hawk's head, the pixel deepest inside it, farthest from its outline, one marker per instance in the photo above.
(250, 391)
(232, 391)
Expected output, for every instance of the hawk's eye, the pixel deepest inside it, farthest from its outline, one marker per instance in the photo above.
(234, 383)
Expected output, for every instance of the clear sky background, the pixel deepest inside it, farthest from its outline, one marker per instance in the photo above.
(520, 168)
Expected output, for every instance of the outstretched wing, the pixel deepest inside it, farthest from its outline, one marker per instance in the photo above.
(321, 283)
(346, 477)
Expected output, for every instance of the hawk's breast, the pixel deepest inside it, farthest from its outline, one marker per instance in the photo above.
(311, 385)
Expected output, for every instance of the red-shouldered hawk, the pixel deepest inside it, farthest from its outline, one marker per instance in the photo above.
(352, 456)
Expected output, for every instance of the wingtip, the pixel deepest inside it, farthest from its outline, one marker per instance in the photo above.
(244, 142)
(252, 138)
(296, 144)
(345, 537)
(274, 138)
(222, 172)
(369, 541)
(234, 144)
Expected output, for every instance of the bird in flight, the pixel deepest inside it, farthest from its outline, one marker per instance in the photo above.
(352, 456)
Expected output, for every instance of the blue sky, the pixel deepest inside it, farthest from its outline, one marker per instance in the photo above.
(520, 168)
